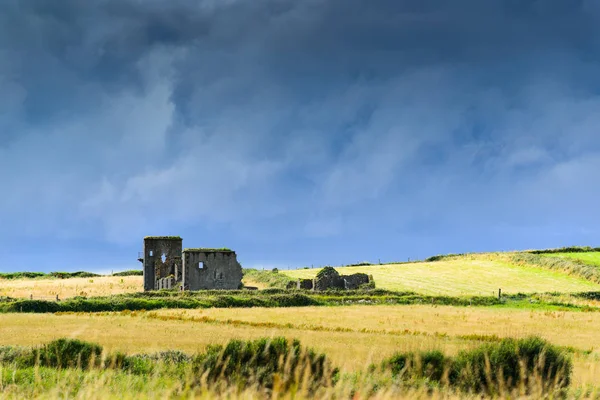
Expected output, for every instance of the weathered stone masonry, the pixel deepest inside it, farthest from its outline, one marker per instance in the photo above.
(211, 269)
(161, 259)
(167, 266)
(329, 278)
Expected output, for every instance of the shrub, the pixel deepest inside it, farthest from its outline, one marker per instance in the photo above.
(144, 364)
(21, 275)
(571, 249)
(360, 264)
(78, 274)
(12, 354)
(264, 363)
(431, 365)
(510, 363)
(367, 286)
(294, 300)
(327, 272)
(490, 368)
(272, 278)
(68, 353)
(276, 364)
(134, 272)
(31, 306)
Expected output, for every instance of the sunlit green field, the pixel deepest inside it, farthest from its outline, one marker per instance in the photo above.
(592, 258)
(464, 276)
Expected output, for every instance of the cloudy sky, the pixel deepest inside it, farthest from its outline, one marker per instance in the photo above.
(296, 132)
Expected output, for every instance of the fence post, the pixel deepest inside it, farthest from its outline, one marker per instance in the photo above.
(499, 294)
(31, 297)
(57, 299)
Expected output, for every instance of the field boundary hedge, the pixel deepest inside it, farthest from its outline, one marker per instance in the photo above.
(272, 298)
(63, 275)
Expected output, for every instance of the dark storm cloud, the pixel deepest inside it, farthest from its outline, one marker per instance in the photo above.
(304, 45)
(300, 119)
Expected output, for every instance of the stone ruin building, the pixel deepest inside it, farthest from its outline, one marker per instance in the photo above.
(168, 266)
(329, 278)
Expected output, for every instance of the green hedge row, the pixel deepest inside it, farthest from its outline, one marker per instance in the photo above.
(571, 249)
(63, 275)
(226, 299)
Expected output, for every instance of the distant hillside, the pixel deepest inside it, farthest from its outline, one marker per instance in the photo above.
(473, 274)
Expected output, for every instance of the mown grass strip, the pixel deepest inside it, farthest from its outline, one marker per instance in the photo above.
(570, 266)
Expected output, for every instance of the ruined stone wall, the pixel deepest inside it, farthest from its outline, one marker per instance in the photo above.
(165, 283)
(211, 270)
(307, 284)
(328, 278)
(162, 258)
(354, 281)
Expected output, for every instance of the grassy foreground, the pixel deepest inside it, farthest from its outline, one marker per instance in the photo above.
(351, 336)
(281, 368)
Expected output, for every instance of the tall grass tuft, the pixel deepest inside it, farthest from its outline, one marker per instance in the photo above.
(263, 364)
(266, 363)
(493, 368)
(66, 353)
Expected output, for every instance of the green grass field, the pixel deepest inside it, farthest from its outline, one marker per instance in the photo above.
(468, 275)
(592, 258)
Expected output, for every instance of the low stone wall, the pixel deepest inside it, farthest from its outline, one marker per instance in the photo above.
(165, 283)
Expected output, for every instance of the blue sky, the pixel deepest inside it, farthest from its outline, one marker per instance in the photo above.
(296, 132)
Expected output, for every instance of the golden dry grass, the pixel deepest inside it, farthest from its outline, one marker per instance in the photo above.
(47, 289)
(470, 275)
(139, 334)
(576, 329)
(352, 336)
